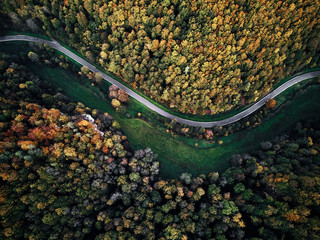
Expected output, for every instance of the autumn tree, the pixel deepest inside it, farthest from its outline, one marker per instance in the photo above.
(271, 103)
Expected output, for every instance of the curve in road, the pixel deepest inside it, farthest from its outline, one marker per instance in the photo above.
(54, 44)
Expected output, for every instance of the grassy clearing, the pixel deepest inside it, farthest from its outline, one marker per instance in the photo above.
(187, 158)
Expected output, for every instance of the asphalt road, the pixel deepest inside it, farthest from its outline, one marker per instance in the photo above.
(150, 105)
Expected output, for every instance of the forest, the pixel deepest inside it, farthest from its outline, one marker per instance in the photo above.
(68, 172)
(195, 57)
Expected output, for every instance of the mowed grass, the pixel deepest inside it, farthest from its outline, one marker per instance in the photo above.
(177, 157)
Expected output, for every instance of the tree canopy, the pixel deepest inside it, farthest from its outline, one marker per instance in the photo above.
(197, 57)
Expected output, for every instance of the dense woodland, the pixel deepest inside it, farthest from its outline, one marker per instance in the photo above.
(197, 57)
(67, 172)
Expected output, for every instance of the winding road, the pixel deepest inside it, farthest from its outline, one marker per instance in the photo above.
(54, 44)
